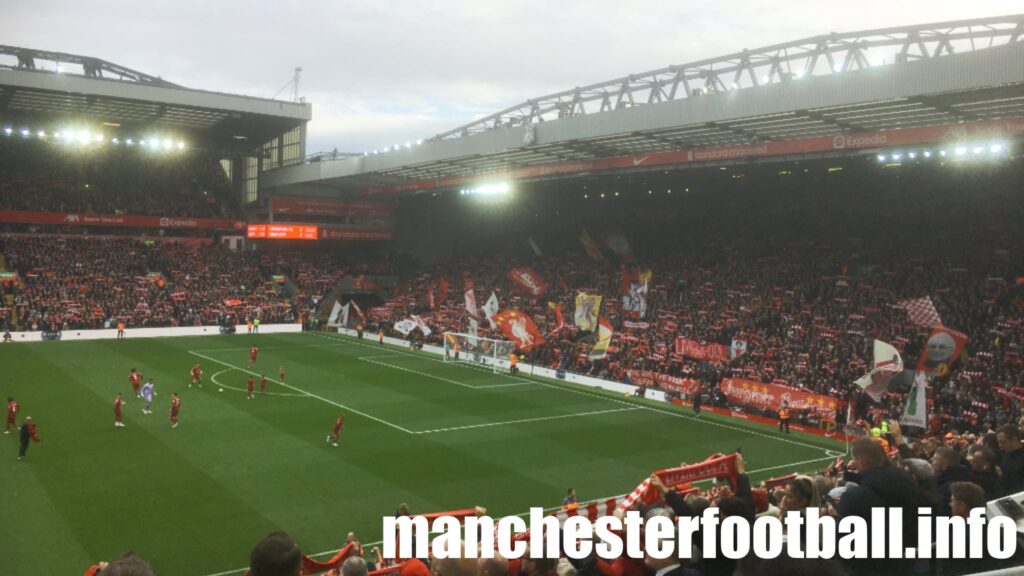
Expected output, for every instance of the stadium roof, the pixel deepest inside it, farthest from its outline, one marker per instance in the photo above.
(53, 88)
(834, 93)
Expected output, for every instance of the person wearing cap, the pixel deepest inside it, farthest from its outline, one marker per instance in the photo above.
(28, 432)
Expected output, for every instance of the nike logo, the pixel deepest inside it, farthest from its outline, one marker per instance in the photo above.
(639, 161)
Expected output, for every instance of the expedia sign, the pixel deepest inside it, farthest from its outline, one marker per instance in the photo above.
(859, 141)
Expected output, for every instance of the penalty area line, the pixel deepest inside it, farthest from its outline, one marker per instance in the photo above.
(310, 394)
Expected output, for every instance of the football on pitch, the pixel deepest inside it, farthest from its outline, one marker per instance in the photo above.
(220, 390)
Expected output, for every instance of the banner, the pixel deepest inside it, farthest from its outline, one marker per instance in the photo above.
(921, 311)
(405, 326)
(619, 244)
(718, 466)
(335, 310)
(528, 280)
(737, 348)
(636, 325)
(915, 413)
(604, 340)
(764, 396)
(559, 318)
(344, 314)
(490, 309)
(714, 353)
(356, 234)
(634, 302)
(471, 303)
(590, 246)
(520, 329)
(422, 325)
(79, 219)
(329, 207)
(359, 311)
(943, 348)
(588, 306)
(474, 331)
(886, 364)
(442, 290)
(651, 379)
(430, 298)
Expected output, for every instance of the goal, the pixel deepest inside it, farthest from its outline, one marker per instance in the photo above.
(478, 351)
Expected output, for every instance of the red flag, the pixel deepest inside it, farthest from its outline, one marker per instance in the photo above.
(557, 309)
(519, 328)
(528, 280)
(430, 298)
(442, 290)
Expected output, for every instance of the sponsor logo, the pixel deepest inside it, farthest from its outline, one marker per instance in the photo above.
(165, 221)
(640, 160)
(859, 141)
(72, 218)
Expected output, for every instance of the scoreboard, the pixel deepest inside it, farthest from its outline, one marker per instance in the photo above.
(283, 231)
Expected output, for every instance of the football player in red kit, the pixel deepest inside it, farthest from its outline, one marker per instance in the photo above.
(12, 412)
(263, 384)
(252, 355)
(175, 407)
(136, 381)
(280, 375)
(118, 405)
(336, 431)
(250, 385)
(197, 376)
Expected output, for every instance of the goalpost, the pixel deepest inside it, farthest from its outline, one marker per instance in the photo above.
(477, 350)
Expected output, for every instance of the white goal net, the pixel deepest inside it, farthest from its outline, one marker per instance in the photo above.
(479, 351)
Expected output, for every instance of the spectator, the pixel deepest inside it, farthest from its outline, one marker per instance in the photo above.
(275, 555)
(1011, 467)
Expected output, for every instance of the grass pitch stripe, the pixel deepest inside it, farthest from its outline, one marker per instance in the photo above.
(525, 420)
(310, 394)
(435, 377)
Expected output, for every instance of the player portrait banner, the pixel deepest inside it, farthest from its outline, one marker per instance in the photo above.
(491, 308)
(943, 348)
(422, 325)
(651, 379)
(588, 306)
(405, 326)
(915, 413)
(519, 328)
(80, 219)
(529, 280)
(335, 311)
(604, 340)
(714, 353)
(770, 396)
(737, 348)
(634, 301)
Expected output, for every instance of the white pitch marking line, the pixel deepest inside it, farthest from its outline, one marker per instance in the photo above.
(214, 380)
(652, 409)
(525, 420)
(266, 348)
(320, 398)
(435, 377)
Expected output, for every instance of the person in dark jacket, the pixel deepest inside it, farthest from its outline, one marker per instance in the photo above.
(27, 432)
(948, 468)
(983, 470)
(879, 485)
(1011, 467)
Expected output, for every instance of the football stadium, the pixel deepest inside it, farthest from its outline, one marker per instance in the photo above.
(783, 280)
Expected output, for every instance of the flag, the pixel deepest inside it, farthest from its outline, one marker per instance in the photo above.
(737, 348)
(422, 325)
(534, 247)
(490, 309)
(405, 326)
(519, 328)
(344, 314)
(442, 290)
(590, 246)
(359, 310)
(529, 280)
(634, 302)
(335, 310)
(886, 364)
(619, 244)
(943, 348)
(588, 306)
(471, 303)
(921, 311)
(430, 298)
(604, 339)
(915, 413)
(474, 330)
(557, 309)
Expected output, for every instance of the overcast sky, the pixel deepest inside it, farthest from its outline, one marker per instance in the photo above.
(381, 72)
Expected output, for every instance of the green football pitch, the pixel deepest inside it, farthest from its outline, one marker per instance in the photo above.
(193, 500)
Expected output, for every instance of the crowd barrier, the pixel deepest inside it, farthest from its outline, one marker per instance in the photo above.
(616, 387)
(111, 333)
